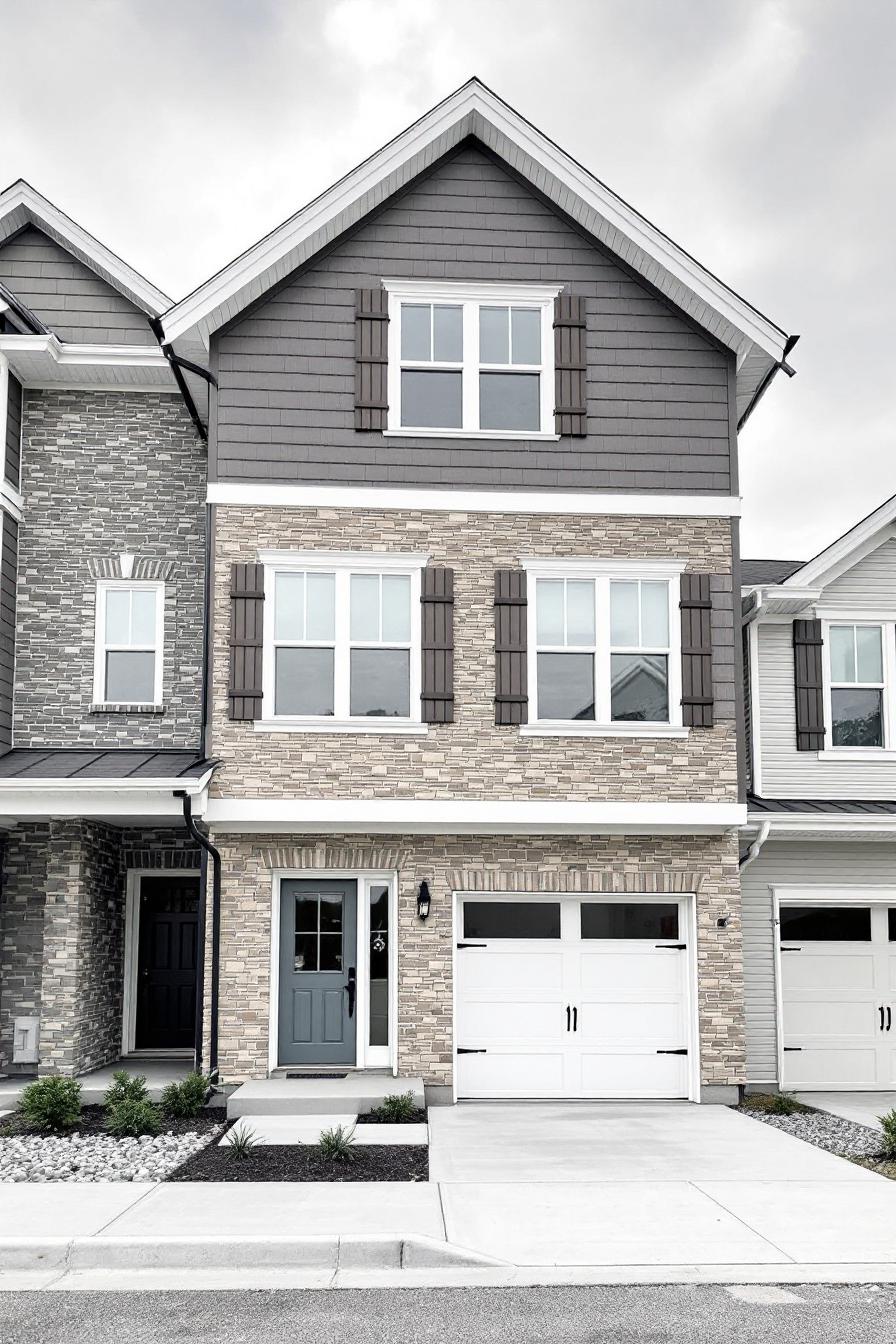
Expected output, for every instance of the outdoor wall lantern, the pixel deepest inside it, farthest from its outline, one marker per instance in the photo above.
(424, 900)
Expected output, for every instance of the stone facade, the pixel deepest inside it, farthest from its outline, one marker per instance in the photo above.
(472, 758)
(106, 473)
(22, 887)
(706, 865)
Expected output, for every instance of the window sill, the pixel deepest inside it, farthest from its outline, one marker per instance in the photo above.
(470, 434)
(882, 754)
(382, 727)
(118, 707)
(603, 730)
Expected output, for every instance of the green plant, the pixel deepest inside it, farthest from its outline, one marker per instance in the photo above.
(888, 1122)
(336, 1144)
(132, 1117)
(782, 1104)
(125, 1087)
(399, 1109)
(241, 1142)
(185, 1100)
(51, 1104)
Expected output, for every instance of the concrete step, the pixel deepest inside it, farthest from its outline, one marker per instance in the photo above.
(354, 1094)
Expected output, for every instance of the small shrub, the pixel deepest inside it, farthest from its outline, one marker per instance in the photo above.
(130, 1118)
(51, 1104)
(336, 1144)
(782, 1104)
(125, 1087)
(185, 1100)
(241, 1142)
(777, 1103)
(889, 1126)
(399, 1109)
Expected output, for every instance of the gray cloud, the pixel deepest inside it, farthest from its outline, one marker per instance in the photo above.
(758, 133)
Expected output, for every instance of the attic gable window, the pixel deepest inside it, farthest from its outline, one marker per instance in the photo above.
(471, 360)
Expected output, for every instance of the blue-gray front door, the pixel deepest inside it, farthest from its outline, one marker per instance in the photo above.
(318, 971)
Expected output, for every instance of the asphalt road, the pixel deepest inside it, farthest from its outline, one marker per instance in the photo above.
(824, 1315)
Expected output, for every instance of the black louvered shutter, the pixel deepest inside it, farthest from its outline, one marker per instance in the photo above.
(246, 640)
(569, 365)
(696, 650)
(437, 645)
(371, 358)
(808, 685)
(511, 697)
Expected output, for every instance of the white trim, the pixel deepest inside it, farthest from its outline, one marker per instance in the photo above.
(887, 687)
(475, 109)
(450, 500)
(848, 549)
(45, 361)
(100, 647)
(132, 946)
(366, 1056)
(11, 501)
(587, 567)
(521, 435)
(381, 726)
(20, 204)
(755, 743)
(784, 824)
(357, 561)
(34, 784)
(471, 817)
(623, 728)
(153, 800)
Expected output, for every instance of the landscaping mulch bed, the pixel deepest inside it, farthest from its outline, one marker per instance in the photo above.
(299, 1162)
(93, 1122)
(371, 1118)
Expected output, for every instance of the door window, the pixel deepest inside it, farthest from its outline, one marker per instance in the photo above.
(826, 923)
(511, 919)
(379, 963)
(318, 932)
(629, 919)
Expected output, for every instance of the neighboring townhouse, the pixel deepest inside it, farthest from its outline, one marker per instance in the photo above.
(101, 608)
(475, 680)
(819, 881)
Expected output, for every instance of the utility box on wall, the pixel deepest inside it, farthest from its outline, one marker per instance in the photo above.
(26, 1031)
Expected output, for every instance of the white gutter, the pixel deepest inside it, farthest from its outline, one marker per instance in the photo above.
(18, 784)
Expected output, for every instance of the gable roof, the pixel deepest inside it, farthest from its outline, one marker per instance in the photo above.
(21, 205)
(866, 536)
(474, 110)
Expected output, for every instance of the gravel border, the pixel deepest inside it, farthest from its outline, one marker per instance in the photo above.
(844, 1138)
(88, 1158)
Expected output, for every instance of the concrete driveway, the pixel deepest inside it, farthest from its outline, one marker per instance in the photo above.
(650, 1184)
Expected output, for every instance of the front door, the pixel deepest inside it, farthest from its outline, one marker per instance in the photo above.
(166, 962)
(318, 971)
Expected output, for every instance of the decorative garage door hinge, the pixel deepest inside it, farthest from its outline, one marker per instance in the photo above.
(672, 1052)
(462, 1050)
(471, 944)
(671, 947)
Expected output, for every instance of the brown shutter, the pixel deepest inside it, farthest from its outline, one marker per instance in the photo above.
(246, 640)
(808, 685)
(569, 365)
(511, 698)
(371, 358)
(696, 651)
(437, 643)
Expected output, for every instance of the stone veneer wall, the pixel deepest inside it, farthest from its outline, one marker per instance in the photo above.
(472, 757)
(106, 473)
(22, 884)
(707, 864)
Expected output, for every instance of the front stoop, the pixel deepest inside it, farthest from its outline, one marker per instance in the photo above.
(356, 1094)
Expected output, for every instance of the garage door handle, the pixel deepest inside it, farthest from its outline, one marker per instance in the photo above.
(672, 1052)
(889, 1018)
(463, 1050)
(568, 1017)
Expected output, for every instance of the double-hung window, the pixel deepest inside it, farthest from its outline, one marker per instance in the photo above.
(857, 668)
(604, 647)
(129, 643)
(342, 639)
(471, 360)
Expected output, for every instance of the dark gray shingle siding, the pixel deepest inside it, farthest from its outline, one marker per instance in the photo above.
(8, 563)
(13, 430)
(657, 389)
(73, 302)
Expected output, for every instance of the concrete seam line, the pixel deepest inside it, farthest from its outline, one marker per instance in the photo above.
(130, 1208)
(752, 1230)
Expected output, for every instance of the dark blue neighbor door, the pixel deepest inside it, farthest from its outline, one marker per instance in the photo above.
(318, 972)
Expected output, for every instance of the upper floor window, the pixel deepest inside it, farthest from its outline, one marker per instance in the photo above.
(471, 360)
(604, 649)
(342, 639)
(858, 685)
(129, 643)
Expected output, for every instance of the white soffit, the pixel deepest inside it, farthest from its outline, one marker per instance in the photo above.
(45, 361)
(21, 205)
(476, 110)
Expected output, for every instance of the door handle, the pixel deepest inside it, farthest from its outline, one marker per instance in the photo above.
(575, 1019)
(881, 1011)
(351, 990)
(568, 1016)
(889, 1017)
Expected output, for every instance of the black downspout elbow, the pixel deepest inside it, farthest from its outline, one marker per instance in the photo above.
(209, 852)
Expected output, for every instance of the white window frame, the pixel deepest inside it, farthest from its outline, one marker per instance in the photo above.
(886, 623)
(470, 297)
(603, 573)
(100, 647)
(342, 565)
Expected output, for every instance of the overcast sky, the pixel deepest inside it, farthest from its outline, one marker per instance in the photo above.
(759, 134)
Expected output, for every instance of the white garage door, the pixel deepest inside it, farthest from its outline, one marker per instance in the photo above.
(572, 998)
(838, 993)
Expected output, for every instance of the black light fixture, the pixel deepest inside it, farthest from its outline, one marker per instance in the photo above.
(424, 900)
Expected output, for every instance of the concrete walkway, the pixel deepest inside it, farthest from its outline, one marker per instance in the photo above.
(865, 1108)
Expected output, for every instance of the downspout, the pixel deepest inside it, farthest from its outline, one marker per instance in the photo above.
(766, 382)
(175, 363)
(209, 852)
(752, 853)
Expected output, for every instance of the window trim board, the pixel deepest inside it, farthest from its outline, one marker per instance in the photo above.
(887, 750)
(103, 588)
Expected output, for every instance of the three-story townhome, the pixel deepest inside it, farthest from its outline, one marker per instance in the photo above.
(101, 617)
(819, 882)
(476, 676)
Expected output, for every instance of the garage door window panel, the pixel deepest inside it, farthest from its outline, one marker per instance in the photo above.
(825, 924)
(511, 919)
(609, 920)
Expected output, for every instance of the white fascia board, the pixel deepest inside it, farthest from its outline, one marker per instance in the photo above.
(39, 361)
(110, 804)
(848, 549)
(11, 501)
(796, 824)
(475, 817)
(472, 108)
(20, 204)
(283, 495)
(777, 600)
(16, 784)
